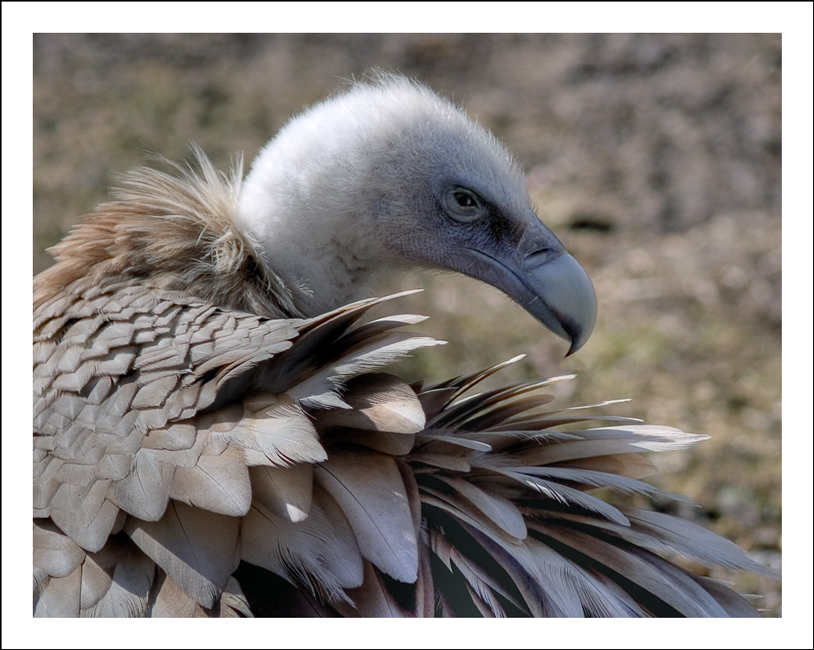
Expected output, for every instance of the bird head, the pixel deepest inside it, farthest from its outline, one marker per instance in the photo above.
(389, 176)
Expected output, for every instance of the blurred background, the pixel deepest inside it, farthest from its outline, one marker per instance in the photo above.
(654, 158)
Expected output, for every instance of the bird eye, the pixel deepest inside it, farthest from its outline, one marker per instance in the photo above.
(462, 204)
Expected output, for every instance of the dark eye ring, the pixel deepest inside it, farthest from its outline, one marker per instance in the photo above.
(463, 204)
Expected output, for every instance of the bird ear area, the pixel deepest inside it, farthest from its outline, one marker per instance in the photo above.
(462, 204)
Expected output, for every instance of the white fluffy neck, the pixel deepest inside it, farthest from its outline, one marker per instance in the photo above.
(313, 198)
(316, 232)
(311, 249)
(344, 193)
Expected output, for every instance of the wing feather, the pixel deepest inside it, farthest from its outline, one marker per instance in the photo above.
(368, 487)
(197, 549)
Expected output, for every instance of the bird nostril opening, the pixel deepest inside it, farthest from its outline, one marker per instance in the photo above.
(540, 256)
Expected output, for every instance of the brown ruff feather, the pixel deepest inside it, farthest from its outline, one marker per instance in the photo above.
(171, 232)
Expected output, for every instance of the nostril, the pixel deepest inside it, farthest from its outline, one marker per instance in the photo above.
(540, 256)
(538, 252)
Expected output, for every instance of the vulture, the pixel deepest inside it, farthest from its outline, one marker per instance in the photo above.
(216, 433)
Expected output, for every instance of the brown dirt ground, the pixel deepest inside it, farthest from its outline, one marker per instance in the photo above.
(655, 158)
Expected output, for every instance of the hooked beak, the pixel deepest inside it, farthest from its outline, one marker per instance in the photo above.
(545, 280)
(560, 295)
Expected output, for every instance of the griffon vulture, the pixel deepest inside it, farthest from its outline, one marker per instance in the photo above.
(214, 434)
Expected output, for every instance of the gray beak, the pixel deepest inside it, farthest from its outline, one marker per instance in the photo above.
(560, 295)
(545, 280)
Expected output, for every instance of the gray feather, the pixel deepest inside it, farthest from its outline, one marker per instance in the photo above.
(369, 489)
(303, 553)
(694, 542)
(60, 598)
(197, 549)
(284, 491)
(54, 552)
(218, 483)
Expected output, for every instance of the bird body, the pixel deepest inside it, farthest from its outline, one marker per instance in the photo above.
(214, 435)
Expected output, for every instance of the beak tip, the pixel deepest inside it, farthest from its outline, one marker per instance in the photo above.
(577, 342)
(581, 337)
(573, 304)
